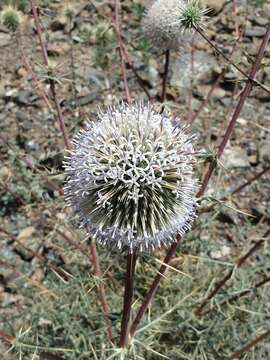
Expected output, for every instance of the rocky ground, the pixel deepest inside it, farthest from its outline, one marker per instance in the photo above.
(83, 55)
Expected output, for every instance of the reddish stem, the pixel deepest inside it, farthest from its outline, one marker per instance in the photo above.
(51, 81)
(250, 181)
(172, 249)
(151, 292)
(101, 288)
(117, 8)
(237, 111)
(165, 75)
(223, 281)
(249, 345)
(129, 285)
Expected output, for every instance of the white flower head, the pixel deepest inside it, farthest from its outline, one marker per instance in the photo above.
(130, 178)
(166, 21)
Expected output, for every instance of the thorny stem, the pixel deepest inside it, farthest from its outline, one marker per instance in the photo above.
(247, 76)
(249, 345)
(237, 111)
(193, 116)
(51, 81)
(117, 8)
(62, 126)
(172, 250)
(102, 300)
(32, 73)
(190, 93)
(165, 75)
(151, 292)
(244, 292)
(129, 285)
(37, 255)
(223, 281)
(250, 181)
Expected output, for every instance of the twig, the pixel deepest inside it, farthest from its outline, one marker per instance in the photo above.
(32, 73)
(210, 92)
(223, 281)
(101, 288)
(30, 281)
(250, 181)
(237, 111)
(234, 8)
(152, 290)
(244, 292)
(247, 76)
(60, 117)
(172, 250)
(51, 81)
(41, 258)
(190, 93)
(249, 345)
(129, 284)
(164, 78)
(117, 8)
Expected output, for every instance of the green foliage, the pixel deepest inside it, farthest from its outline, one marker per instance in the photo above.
(72, 324)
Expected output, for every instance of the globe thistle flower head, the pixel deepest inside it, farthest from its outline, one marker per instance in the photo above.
(130, 178)
(161, 24)
(10, 18)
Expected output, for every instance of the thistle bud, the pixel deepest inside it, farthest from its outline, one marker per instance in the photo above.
(130, 178)
(166, 21)
(10, 18)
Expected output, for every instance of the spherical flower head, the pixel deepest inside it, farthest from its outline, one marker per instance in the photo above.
(161, 24)
(166, 22)
(130, 178)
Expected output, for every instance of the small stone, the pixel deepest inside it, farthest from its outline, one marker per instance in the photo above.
(256, 31)
(5, 173)
(265, 151)
(234, 157)
(5, 39)
(242, 121)
(223, 252)
(25, 233)
(21, 72)
(58, 49)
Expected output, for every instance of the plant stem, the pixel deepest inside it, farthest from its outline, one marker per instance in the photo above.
(117, 25)
(227, 135)
(51, 81)
(249, 345)
(250, 181)
(129, 284)
(237, 111)
(165, 75)
(247, 76)
(151, 292)
(223, 281)
(101, 288)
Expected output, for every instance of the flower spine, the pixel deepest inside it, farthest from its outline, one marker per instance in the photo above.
(166, 21)
(130, 178)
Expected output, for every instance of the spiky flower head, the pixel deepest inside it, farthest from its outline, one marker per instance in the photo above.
(166, 21)
(130, 178)
(193, 15)
(10, 17)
